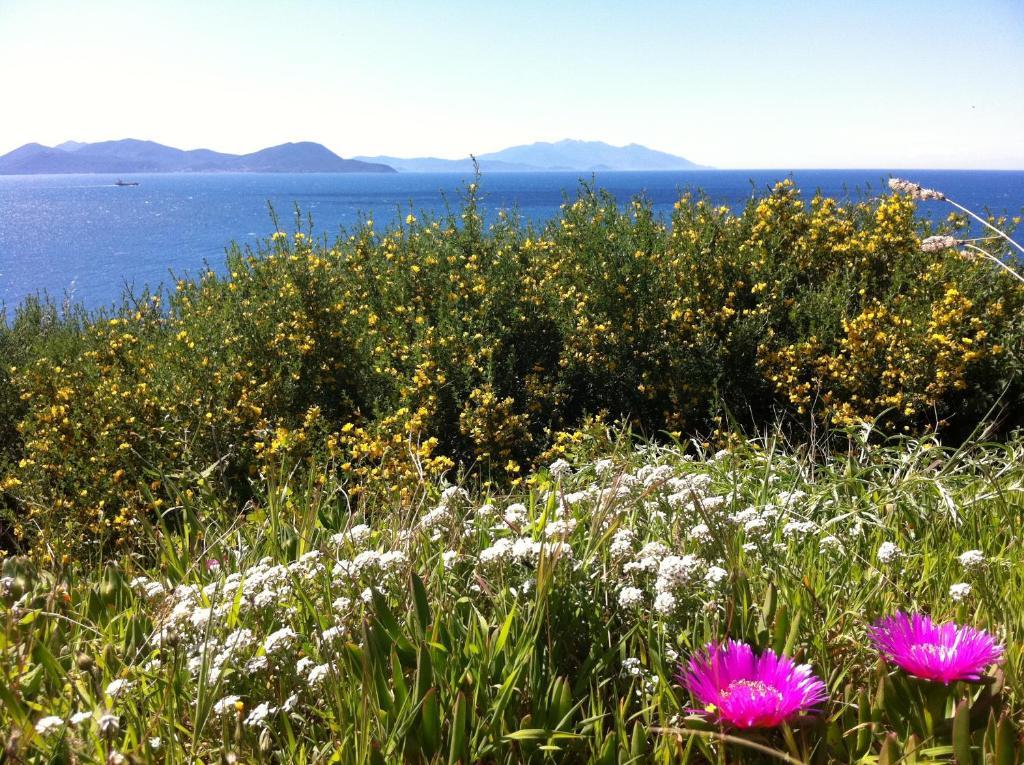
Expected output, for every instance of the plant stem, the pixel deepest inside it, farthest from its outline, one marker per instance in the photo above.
(997, 261)
(985, 223)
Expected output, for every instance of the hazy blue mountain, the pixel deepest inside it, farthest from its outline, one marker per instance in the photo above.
(436, 165)
(591, 155)
(134, 156)
(305, 157)
(570, 155)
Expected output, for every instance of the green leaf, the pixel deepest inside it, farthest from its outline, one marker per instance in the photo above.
(385, 617)
(43, 656)
(499, 644)
(419, 596)
(890, 753)
(527, 734)
(424, 673)
(962, 733)
(14, 707)
(794, 633)
(638, 746)
(401, 692)
(561, 703)
(430, 724)
(459, 750)
(771, 598)
(376, 758)
(781, 628)
(1006, 742)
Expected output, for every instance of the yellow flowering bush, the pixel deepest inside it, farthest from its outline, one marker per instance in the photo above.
(435, 345)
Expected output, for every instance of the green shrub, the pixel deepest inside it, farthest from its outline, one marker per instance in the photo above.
(402, 353)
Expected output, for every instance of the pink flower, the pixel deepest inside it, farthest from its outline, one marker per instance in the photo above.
(750, 691)
(943, 652)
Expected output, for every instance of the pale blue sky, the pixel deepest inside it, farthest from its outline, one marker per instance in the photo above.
(857, 83)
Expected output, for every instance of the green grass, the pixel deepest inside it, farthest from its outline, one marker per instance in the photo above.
(447, 635)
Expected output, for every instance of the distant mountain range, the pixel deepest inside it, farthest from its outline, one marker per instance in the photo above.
(132, 156)
(570, 155)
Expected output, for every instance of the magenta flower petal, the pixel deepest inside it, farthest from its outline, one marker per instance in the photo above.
(942, 652)
(750, 691)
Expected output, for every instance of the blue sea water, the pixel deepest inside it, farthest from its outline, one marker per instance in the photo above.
(82, 237)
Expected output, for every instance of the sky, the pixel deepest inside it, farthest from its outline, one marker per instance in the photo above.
(728, 83)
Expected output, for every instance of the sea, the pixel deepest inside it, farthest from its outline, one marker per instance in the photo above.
(83, 239)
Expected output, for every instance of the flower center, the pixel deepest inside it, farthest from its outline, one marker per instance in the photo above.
(752, 690)
(752, 704)
(934, 653)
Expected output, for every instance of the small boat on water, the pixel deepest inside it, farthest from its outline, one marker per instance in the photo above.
(126, 183)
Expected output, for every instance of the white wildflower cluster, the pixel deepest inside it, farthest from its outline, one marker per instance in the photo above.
(633, 667)
(888, 552)
(119, 687)
(789, 499)
(195, 620)
(691, 490)
(148, 588)
(648, 559)
(668, 580)
(257, 718)
(279, 641)
(436, 519)
(701, 534)
(449, 558)
(452, 495)
(715, 576)
(652, 475)
(670, 499)
(355, 536)
(50, 724)
(830, 544)
(663, 522)
(515, 514)
(630, 597)
(972, 560)
(79, 717)
(443, 515)
(226, 706)
(521, 550)
(622, 543)
(798, 529)
(676, 575)
(959, 591)
(560, 469)
(560, 527)
(370, 567)
(497, 553)
(758, 523)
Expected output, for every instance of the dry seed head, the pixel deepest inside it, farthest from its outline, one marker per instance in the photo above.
(915, 190)
(938, 243)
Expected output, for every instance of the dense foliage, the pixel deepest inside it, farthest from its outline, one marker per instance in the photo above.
(545, 625)
(391, 355)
